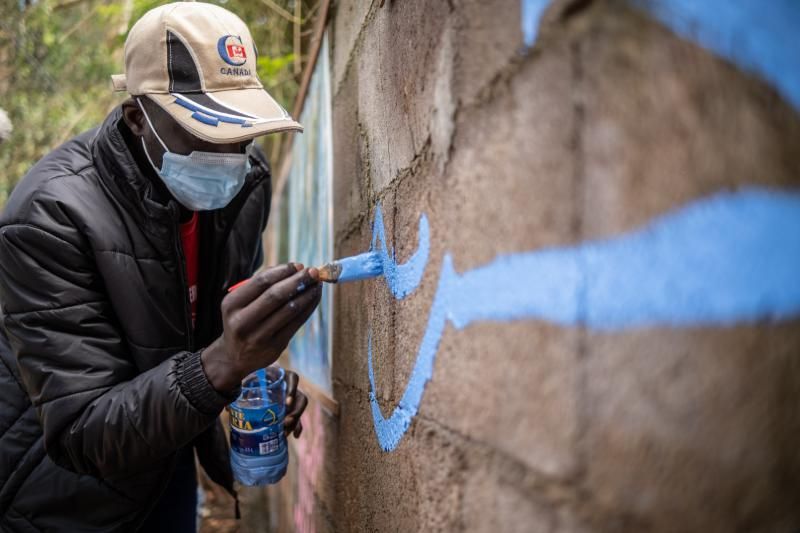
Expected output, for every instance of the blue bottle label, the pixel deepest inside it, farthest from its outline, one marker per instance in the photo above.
(257, 431)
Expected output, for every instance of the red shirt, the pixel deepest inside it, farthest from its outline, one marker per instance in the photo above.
(189, 239)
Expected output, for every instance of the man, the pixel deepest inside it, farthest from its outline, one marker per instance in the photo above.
(121, 345)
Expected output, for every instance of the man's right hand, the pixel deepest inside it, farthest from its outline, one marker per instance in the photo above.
(258, 320)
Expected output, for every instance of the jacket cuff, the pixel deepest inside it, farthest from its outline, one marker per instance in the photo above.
(195, 386)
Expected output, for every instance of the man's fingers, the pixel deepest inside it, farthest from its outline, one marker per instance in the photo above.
(272, 300)
(292, 419)
(302, 403)
(285, 334)
(255, 286)
(296, 430)
(291, 387)
(283, 323)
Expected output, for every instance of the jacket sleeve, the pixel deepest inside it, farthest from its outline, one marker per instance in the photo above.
(99, 415)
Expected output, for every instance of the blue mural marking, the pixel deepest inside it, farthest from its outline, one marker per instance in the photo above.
(532, 11)
(402, 279)
(761, 37)
(730, 258)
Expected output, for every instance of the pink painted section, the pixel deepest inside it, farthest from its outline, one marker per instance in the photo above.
(310, 449)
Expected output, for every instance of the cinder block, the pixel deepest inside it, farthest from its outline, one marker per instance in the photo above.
(348, 20)
(493, 501)
(692, 430)
(511, 387)
(510, 186)
(397, 84)
(488, 39)
(351, 179)
(374, 489)
(667, 123)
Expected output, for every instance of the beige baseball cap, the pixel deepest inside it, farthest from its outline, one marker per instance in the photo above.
(198, 62)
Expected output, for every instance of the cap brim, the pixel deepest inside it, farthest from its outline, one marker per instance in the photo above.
(227, 116)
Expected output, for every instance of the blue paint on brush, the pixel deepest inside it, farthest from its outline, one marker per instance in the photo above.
(381, 260)
(362, 266)
(731, 258)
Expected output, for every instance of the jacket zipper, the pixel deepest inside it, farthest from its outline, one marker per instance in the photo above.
(187, 306)
(209, 276)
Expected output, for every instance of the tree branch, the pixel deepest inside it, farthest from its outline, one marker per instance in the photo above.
(280, 11)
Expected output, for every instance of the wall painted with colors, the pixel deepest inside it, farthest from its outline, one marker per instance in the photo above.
(588, 217)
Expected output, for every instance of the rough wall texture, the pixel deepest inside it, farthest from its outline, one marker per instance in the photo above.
(608, 121)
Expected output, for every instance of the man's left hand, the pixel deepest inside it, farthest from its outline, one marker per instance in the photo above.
(296, 403)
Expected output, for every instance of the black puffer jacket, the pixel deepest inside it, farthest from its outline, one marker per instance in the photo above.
(101, 381)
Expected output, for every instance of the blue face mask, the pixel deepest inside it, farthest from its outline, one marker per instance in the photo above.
(200, 181)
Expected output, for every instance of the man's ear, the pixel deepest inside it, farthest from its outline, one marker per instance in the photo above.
(133, 117)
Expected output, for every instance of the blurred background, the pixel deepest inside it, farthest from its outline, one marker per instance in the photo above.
(56, 59)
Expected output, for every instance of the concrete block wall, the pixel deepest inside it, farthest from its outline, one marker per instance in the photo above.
(607, 122)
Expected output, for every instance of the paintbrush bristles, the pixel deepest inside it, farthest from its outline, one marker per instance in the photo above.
(355, 268)
(330, 272)
(361, 266)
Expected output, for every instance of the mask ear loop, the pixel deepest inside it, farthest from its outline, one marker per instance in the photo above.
(147, 154)
(151, 127)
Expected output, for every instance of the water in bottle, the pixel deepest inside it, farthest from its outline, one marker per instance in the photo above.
(259, 454)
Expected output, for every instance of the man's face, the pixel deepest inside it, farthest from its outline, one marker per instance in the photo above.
(177, 139)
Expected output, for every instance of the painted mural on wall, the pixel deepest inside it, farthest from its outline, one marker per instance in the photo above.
(310, 463)
(728, 259)
(310, 212)
(760, 37)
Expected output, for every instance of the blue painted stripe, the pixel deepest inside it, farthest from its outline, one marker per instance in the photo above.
(760, 37)
(728, 259)
(532, 11)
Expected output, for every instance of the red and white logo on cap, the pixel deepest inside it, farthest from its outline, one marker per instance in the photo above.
(231, 50)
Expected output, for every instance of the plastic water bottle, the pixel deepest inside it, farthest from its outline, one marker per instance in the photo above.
(259, 454)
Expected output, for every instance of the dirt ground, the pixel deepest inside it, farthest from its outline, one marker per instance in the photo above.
(217, 511)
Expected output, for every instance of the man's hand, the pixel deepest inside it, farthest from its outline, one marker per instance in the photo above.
(258, 320)
(296, 403)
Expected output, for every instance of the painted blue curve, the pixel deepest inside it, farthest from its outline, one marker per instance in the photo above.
(532, 11)
(727, 259)
(401, 279)
(758, 36)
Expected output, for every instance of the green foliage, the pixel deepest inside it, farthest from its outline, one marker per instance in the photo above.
(56, 58)
(270, 68)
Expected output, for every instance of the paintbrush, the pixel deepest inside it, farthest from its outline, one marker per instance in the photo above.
(362, 266)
